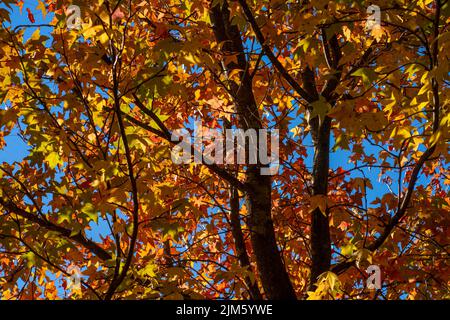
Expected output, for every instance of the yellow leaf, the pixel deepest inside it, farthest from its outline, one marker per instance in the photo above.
(435, 137)
(363, 255)
(400, 132)
(319, 201)
(41, 6)
(103, 38)
(320, 109)
(377, 32)
(348, 249)
(92, 31)
(53, 160)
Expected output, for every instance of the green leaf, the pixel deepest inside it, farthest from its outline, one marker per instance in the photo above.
(90, 211)
(368, 75)
(320, 108)
(363, 255)
(348, 249)
(149, 270)
(31, 259)
(53, 159)
(341, 142)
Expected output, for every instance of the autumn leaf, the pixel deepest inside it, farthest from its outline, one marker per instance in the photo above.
(359, 121)
(377, 32)
(41, 6)
(320, 109)
(319, 201)
(367, 75)
(30, 16)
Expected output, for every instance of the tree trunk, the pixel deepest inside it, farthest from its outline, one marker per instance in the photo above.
(239, 243)
(320, 231)
(271, 270)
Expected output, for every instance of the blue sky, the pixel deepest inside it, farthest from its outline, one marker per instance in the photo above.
(17, 149)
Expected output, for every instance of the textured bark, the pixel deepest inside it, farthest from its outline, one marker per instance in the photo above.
(406, 199)
(239, 243)
(271, 270)
(320, 231)
(66, 233)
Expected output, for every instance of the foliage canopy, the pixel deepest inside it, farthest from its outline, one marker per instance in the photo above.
(363, 117)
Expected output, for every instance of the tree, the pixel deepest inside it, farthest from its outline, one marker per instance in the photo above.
(362, 110)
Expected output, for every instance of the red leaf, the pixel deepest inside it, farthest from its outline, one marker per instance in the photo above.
(118, 14)
(86, 184)
(20, 5)
(30, 16)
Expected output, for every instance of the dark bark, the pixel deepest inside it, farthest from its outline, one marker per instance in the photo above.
(320, 231)
(239, 243)
(406, 200)
(66, 233)
(274, 277)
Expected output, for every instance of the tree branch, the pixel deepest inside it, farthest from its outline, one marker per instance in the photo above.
(67, 233)
(265, 47)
